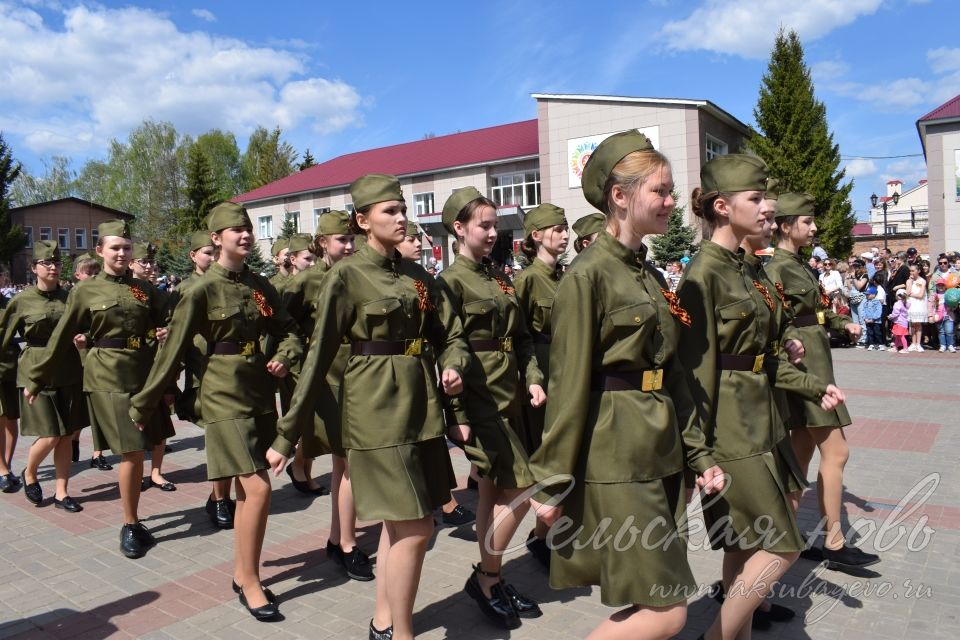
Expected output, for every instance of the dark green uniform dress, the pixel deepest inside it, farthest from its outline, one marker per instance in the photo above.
(194, 361)
(492, 400)
(621, 427)
(811, 316)
(729, 352)
(60, 409)
(231, 310)
(391, 415)
(9, 394)
(536, 287)
(116, 313)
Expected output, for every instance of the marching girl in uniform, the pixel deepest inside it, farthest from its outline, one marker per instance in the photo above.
(587, 228)
(490, 410)
(334, 242)
(546, 240)
(811, 426)
(232, 307)
(728, 352)
(391, 422)
(61, 409)
(9, 414)
(622, 427)
(115, 312)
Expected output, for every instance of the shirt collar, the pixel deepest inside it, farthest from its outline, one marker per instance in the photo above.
(621, 251)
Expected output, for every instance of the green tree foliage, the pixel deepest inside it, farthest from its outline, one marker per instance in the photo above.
(266, 159)
(12, 237)
(289, 226)
(258, 263)
(202, 192)
(224, 155)
(794, 140)
(678, 239)
(308, 160)
(58, 181)
(174, 259)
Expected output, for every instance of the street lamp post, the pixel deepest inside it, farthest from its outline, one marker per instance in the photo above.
(873, 201)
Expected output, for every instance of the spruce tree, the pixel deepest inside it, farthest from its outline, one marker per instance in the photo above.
(308, 160)
(257, 263)
(677, 240)
(289, 228)
(202, 190)
(12, 237)
(794, 140)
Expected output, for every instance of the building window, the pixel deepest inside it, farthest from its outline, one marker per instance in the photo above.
(423, 204)
(266, 226)
(716, 148)
(46, 233)
(293, 216)
(63, 238)
(28, 231)
(95, 236)
(521, 189)
(80, 238)
(891, 229)
(316, 216)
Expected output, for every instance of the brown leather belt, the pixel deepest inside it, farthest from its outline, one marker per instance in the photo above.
(541, 338)
(133, 342)
(233, 348)
(412, 347)
(36, 343)
(741, 363)
(492, 344)
(810, 320)
(649, 380)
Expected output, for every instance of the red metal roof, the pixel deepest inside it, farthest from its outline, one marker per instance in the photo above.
(862, 229)
(491, 144)
(949, 109)
(894, 181)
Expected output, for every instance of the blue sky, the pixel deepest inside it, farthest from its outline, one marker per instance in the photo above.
(345, 76)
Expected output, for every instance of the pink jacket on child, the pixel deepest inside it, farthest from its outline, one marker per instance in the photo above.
(899, 315)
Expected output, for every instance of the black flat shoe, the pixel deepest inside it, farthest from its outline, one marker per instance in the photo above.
(238, 589)
(67, 504)
(143, 535)
(304, 486)
(130, 544)
(459, 517)
(524, 606)
(497, 607)
(75, 450)
(221, 516)
(33, 491)
(780, 613)
(166, 486)
(9, 483)
(377, 634)
(100, 463)
(849, 559)
(265, 613)
(355, 562)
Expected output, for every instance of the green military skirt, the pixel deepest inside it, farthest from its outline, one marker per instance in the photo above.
(113, 429)
(238, 446)
(495, 448)
(10, 399)
(325, 437)
(55, 412)
(754, 510)
(402, 482)
(627, 537)
(818, 361)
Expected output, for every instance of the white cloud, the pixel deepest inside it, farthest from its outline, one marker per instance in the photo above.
(908, 170)
(107, 70)
(748, 27)
(204, 14)
(860, 168)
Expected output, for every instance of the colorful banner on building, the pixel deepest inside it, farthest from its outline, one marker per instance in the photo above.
(956, 170)
(579, 150)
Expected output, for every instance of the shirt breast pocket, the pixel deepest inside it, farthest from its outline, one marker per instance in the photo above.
(378, 312)
(103, 306)
(739, 311)
(631, 319)
(34, 318)
(223, 313)
(479, 313)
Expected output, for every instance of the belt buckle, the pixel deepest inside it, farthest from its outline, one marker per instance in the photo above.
(652, 380)
(247, 348)
(152, 334)
(413, 347)
(506, 344)
(758, 363)
(133, 342)
(821, 317)
(776, 348)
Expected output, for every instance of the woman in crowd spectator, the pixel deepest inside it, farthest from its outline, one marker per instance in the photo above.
(856, 284)
(916, 306)
(830, 279)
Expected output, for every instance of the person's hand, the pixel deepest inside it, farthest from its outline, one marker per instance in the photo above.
(452, 382)
(795, 350)
(29, 396)
(276, 460)
(537, 396)
(277, 369)
(80, 341)
(854, 329)
(711, 481)
(459, 433)
(162, 333)
(548, 514)
(832, 398)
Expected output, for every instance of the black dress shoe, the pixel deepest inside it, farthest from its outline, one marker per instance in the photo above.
(32, 490)
(220, 514)
(303, 486)
(100, 463)
(75, 450)
(524, 606)
(130, 544)
(143, 534)
(166, 486)
(267, 612)
(355, 562)
(377, 634)
(497, 607)
(67, 504)
(9, 483)
(459, 517)
(237, 589)
(848, 558)
(539, 550)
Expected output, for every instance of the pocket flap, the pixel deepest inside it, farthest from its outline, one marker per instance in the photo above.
(633, 315)
(736, 310)
(383, 307)
(479, 307)
(104, 304)
(222, 313)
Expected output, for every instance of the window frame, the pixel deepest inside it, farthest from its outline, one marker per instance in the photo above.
(269, 220)
(717, 141)
(49, 233)
(80, 238)
(28, 231)
(417, 202)
(522, 185)
(63, 233)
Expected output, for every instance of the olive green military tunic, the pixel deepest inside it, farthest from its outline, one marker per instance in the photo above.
(60, 409)
(536, 287)
(622, 448)
(231, 310)
(9, 394)
(812, 316)
(194, 361)
(492, 400)
(116, 313)
(392, 421)
(732, 318)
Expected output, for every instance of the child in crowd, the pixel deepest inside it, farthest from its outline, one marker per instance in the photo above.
(901, 322)
(943, 316)
(871, 312)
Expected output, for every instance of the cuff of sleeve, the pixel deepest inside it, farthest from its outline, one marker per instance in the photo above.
(138, 416)
(702, 463)
(284, 361)
(548, 493)
(283, 446)
(33, 388)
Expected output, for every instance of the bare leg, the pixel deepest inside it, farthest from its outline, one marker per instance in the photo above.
(382, 617)
(495, 507)
(748, 589)
(37, 453)
(343, 524)
(8, 442)
(62, 459)
(131, 477)
(834, 454)
(156, 462)
(803, 447)
(220, 489)
(407, 547)
(651, 623)
(250, 525)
